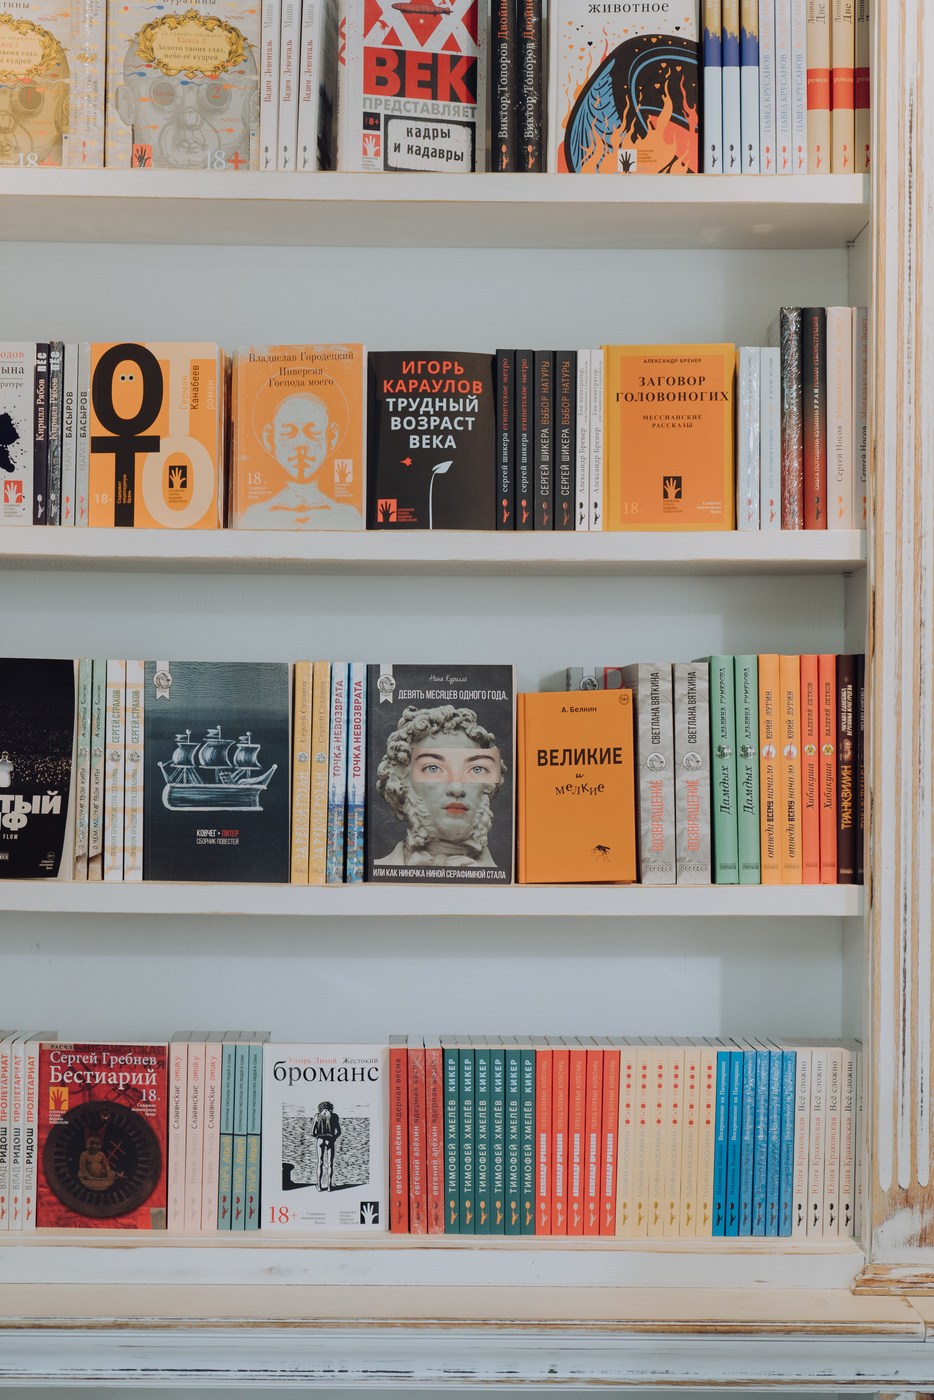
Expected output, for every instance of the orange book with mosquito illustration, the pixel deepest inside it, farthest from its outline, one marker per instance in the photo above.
(668, 437)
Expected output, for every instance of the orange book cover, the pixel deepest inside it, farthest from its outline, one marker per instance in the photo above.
(769, 801)
(790, 768)
(299, 460)
(156, 439)
(577, 1124)
(810, 772)
(827, 684)
(668, 437)
(593, 1129)
(544, 1162)
(418, 1196)
(434, 1135)
(560, 1063)
(609, 1138)
(576, 819)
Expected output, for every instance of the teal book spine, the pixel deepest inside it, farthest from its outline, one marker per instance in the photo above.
(452, 1210)
(356, 773)
(774, 1151)
(251, 1194)
(497, 1140)
(734, 1144)
(760, 1184)
(513, 1140)
(224, 1181)
(238, 1190)
(721, 1141)
(749, 1141)
(337, 773)
(254, 1091)
(527, 1130)
(241, 1090)
(723, 771)
(466, 1141)
(482, 1137)
(747, 768)
(228, 1085)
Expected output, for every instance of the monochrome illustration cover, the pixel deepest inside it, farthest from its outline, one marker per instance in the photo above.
(183, 86)
(37, 735)
(217, 771)
(17, 414)
(299, 423)
(325, 1153)
(440, 774)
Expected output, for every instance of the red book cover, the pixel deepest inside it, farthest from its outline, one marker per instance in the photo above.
(810, 772)
(102, 1136)
(593, 1141)
(560, 1061)
(609, 1138)
(827, 686)
(544, 1140)
(577, 1123)
(418, 1209)
(398, 1133)
(434, 1136)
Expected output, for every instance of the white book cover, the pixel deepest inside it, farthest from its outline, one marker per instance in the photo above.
(840, 473)
(97, 774)
(82, 786)
(862, 1152)
(133, 772)
(178, 1098)
(860, 400)
(69, 432)
(325, 1144)
(802, 1138)
(194, 1130)
(582, 445)
(732, 107)
(691, 691)
(17, 415)
(412, 86)
(31, 1125)
(82, 437)
(749, 84)
(17, 1072)
(289, 45)
(653, 737)
(712, 53)
(595, 492)
(270, 22)
(784, 156)
(6, 1127)
(816, 1144)
(114, 757)
(317, 93)
(767, 77)
(84, 142)
(748, 413)
(337, 772)
(799, 87)
(210, 1161)
(848, 1140)
(639, 1210)
(832, 1141)
(770, 440)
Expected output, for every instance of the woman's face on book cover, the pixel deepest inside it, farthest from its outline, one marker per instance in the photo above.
(451, 778)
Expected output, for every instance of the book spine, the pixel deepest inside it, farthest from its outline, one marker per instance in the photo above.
(225, 1181)
(543, 415)
(418, 1214)
(859, 783)
(749, 85)
(30, 1132)
(560, 1069)
(17, 1071)
(732, 142)
(84, 140)
(96, 771)
(789, 786)
(746, 700)
(713, 88)
(452, 1215)
(318, 810)
(82, 770)
(530, 110)
(40, 450)
(609, 1137)
(505, 369)
(593, 1142)
(816, 1144)
(524, 455)
(761, 1156)
(846, 1175)
(840, 439)
(434, 1138)
(862, 1158)
(842, 102)
(827, 761)
(674, 1137)
(595, 493)
(356, 773)
(238, 1183)
(527, 1141)
(503, 86)
(114, 746)
(253, 1184)
(625, 1172)
(301, 770)
(773, 1160)
(654, 765)
(860, 401)
(692, 772)
(310, 44)
(577, 1125)
(799, 87)
(544, 1140)
(706, 1144)
(832, 1142)
(225, 1158)
(792, 420)
(723, 771)
(513, 1136)
(337, 773)
(639, 1208)
(287, 122)
(802, 1138)
(134, 770)
(818, 55)
(748, 1154)
(747, 437)
(398, 1146)
(564, 437)
(213, 1055)
(482, 1127)
(497, 1140)
(69, 432)
(194, 1136)
(6, 1109)
(770, 440)
(846, 770)
(582, 445)
(82, 435)
(787, 1157)
(814, 366)
(660, 1089)
(721, 1142)
(178, 1097)
(687, 1223)
(769, 767)
(466, 1139)
(784, 162)
(734, 1154)
(810, 771)
(862, 123)
(56, 369)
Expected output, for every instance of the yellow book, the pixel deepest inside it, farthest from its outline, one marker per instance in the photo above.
(660, 1088)
(320, 744)
(692, 1095)
(790, 768)
(301, 770)
(706, 1142)
(640, 1159)
(769, 797)
(668, 437)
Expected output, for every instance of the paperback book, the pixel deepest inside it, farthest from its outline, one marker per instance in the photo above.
(37, 754)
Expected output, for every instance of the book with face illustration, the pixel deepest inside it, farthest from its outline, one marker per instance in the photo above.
(439, 804)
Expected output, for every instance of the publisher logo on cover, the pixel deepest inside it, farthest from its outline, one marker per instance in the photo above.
(385, 511)
(12, 493)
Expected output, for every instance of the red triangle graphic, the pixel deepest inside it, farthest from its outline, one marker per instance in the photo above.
(469, 20)
(450, 45)
(372, 14)
(391, 40)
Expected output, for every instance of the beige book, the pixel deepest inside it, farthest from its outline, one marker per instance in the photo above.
(628, 1104)
(660, 1089)
(114, 757)
(860, 404)
(832, 1141)
(640, 1161)
(706, 1142)
(690, 1137)
(674, 1137)
(301, 770)
(211, 1106)
(194, 1130)
(320, 744)
(178, 1097)
(133, 773)
(818, 70)
(842, 115)
(841, 490)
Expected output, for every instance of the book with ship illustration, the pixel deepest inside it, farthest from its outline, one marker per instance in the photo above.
(217, 771)
(439, 774)
(37, 748)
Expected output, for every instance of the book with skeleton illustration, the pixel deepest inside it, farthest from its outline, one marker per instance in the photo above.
(325, 1149)
(37, 755)
(440, 774)
(216, 760)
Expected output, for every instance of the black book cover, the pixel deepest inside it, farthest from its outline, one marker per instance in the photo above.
(56, 389)
(529, 84)
(216, 790)
(814, 415)
(524, 455)
(846, 770)
(504, 364)
(40, 452)
(440, 774)
(430, 449)
(37, 734)
(860, 782)
(565, 437)
(503, 85)
(543, 417)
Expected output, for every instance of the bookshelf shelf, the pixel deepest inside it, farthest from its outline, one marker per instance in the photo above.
(445, 211)
(453, 552)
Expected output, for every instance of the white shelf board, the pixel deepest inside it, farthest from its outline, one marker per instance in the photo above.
(434, 901)
(446, 211)
(455, 552)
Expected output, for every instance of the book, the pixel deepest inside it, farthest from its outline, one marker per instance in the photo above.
(721, 1141)
(37, 761)
(816, 1141)
(530, 98)
(320, 742)
(785, 333)
(846, 770)
(290, 26)
(843, 100)
(560, 1070)
(226, 1129)
(674, 1138)
(687, 1223)
(317, 94)
(769, 768)
(504, 365)
(582, 444)
(177, 1090)
(749, 85)
(417, 1212)
(544, 1135)
(325, 1158)
(183, 88)
(628, 1097)
(748, 413)
(96, 771)
(723, 778)
(156, 447)
(82, 428)
(603, 113)
(761, 1153)
(437, 63)
(784, 162)
(133, 772)
(818, 61)
(82, 776)
(576, 1139)
(102, 1106)
(712, 87)
(114, 770)
(6, 1127)
(669, 467)
(654, 761)
(434, 1134)
(787, 1155)
(774, 1145)
(524, 432)
(767, 86)
(543, 439)
(748, 1153)
(270, 26)
(802, 1130)
(512, 1135)
(859, 783)
(789, 783)
(30, 1117)
(54, 440)
(734, 1144)
(810, 771)
(503, 76)
(399, 1200)
(814, 406)
(527, 1058)
(194, 1130)
(213, 809)
(302, 711)
(497, 1138)
(706, 1143)
(356, 774)
(431, 440)
(832, 1141)
(827, 729)
(582, 750)
(40, 441)
(564, 438)
(337, 772)
(690, 683)
(482, 1135)
(862, 147)
(748, 817)
(17, 410)
(840, 420)
(597, 439)
(860, 404)
(732, 120)
(639, 1207)
(770, 440)
(466, 1134)
(449, 1067)
(84, 140)
(799, 87)
(299, 458)
(39, 50)
(69, 432)
(439, 774)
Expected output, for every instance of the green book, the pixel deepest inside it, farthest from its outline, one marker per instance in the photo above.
(254, 1095)
(238, 1187)
(452, 1210)
(747, 768)
(465, 1137)
(513, 1135)
(527, 1138)
(723, 771)
(228, 1082)
(482, 1135)
(241, 1092)
(224, 1180)
(497, 1140)
(251, 1194)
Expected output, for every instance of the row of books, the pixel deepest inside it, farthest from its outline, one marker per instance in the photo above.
(325, 437)
(625, 1137)
(786, 87)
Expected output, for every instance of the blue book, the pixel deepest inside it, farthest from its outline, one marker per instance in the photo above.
(761, 1157)
(356, 773)
(773, 1161)
(749, 1140)
(721, 1141)
(734, 1143)
(787, 1156)
(337, 772)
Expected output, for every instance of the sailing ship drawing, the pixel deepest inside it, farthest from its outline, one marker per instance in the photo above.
(214, 774)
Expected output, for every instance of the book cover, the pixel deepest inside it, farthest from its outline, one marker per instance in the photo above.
(721, 1141)
(593, 1140)
(843, 98)
(30, 1123)
(565, 438)
(609, 1134)
(466, 1134)
(17, 1115)
(482, 1134)
(114, 770)
(155, 434)
(37, 757)
(860, 402)
(818, 61)
(524, 449)
(691, 681)
(787, 1155)
(317, 98)
(560, 1070)
(814, 405)
(183, 86)
(238, 1183)
(810, 771)
(789, 782)
(439, 774)
(270, 26)
(849, 1079)
(82, 434)
(299, 437)
(669, 437)
(843, 514)
(325, 1157)
(526, 1135)
(102, 1136)
(84, 140)
(216, 756)
(624, 91)
(194, 1130)
(418, 1199)
(512, 1134)
(770, 440)
(706, 1144)
(832, 1141)
(177, 1081)
(861, 122)
(337, 772)
(39, 56)
(434, 1135)
(846, 770)
(594, 738)
(597, 438)
(799, 88)
(54, 449)
(356, 774)
(785, 333)
(543, 438)
(225, 1150)
(827, 721)
(431, 440)
(577, 1124)
(859, 782)
(816, 1142)
(301, 770)
(767, 85)
(399, 1204)
(774, 1150)
(40, 436)
(82, 770)
(783, 89)
(69, 431)
(530, 98)
(769, 746)
(582, 444)
(802, 1133)
(290, 25)
(674, 1136)
(96, 774)
(628, 1104)
(748, 414)
(640, 1210)
(504, 366)
(133, 773)
(748, 1154)
(544, 1134)
(6, 1109)
(449, 1065)
(734, 1150)
(749, 85)
(723, 775)
(761, 1149)
(712, 87)
(746, 678)
(653, 763)
(732, 133)
(497, 1138)
(17, 410)
(687, 1222)
(320, 747)
(503, 146)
